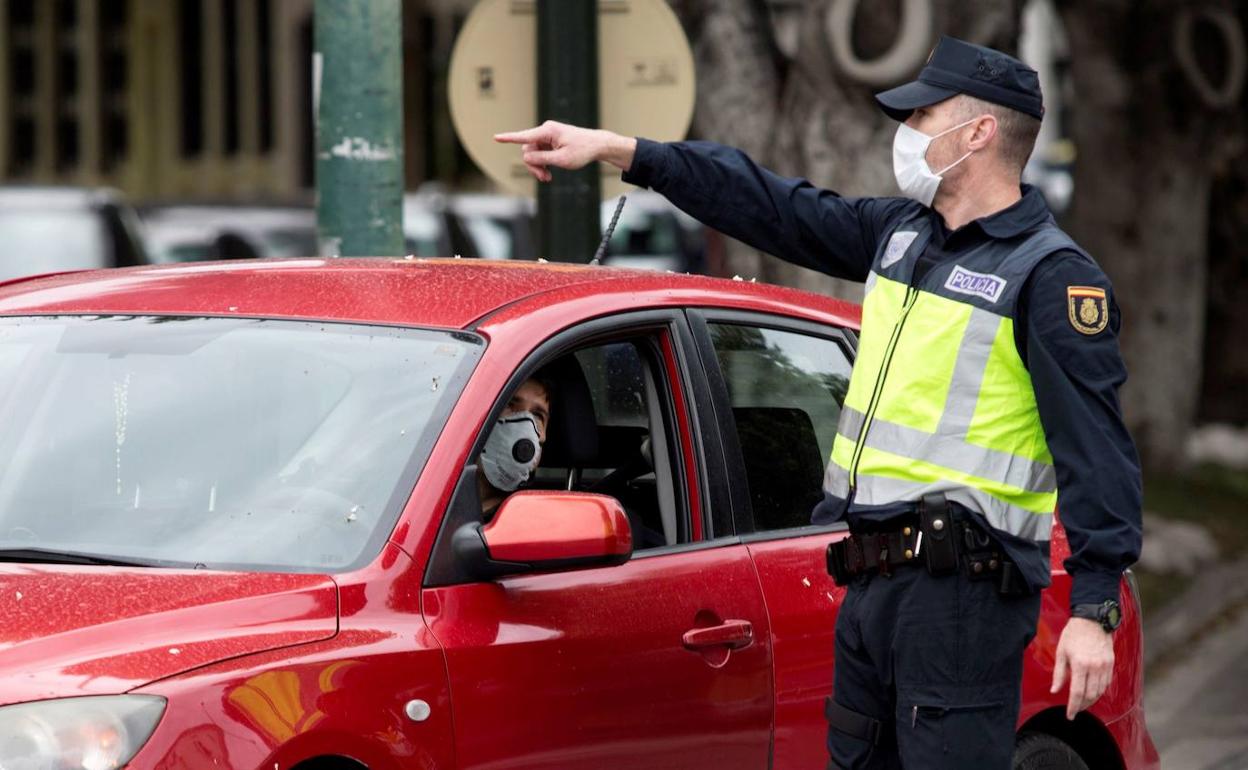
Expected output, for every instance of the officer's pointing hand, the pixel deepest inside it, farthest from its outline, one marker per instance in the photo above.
(568, 147)
(1086, 653)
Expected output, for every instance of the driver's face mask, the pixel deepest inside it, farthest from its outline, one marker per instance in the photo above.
(512, 451)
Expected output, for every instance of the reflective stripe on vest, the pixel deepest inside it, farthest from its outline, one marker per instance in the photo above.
(942, 403)
(881, 490)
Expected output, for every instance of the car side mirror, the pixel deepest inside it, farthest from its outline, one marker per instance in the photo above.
(547, 530)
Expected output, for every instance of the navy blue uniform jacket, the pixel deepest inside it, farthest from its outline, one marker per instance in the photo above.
(1076, 376)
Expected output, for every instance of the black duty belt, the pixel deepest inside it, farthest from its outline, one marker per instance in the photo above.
(936, 536)
(875, 552)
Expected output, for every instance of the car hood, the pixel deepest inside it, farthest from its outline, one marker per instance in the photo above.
(68, 631)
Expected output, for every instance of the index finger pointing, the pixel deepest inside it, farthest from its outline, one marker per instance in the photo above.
(520, 137)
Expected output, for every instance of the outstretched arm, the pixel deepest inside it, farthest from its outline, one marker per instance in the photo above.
(725, 189)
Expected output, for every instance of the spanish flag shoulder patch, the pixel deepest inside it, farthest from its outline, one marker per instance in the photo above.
(1087, 308)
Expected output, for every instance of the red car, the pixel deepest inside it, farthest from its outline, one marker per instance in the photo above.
(240, 526)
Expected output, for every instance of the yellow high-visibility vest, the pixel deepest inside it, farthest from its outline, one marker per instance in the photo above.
(940, 400)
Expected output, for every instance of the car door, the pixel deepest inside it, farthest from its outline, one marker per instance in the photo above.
(779, 384)
(597, 667)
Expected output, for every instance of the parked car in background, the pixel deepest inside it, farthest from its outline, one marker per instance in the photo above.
(654, 235)
(651, 233)
(477, 225)
(472, 225)
(240, 525)
(194, 232)
(500, 226)
(1056, 182)
(428, 230)
(52, 229)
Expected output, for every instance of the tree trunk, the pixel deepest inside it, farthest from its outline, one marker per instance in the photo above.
(1225, 379)
(738, 79)
(801, 114)
(1147, 147)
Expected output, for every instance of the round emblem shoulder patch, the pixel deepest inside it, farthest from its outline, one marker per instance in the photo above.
(1087, 308)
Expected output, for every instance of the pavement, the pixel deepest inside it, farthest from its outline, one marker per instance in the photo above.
(1171, 631)
(1197, 707)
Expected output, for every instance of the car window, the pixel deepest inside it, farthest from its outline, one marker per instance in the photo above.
(611, 431)
(231, 443)
(616, 377)
(786, 390)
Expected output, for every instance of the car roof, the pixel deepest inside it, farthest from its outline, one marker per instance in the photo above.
(449, 293)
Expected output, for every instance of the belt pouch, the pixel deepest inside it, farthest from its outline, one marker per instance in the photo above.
(1012, 581)
(936, 524)
(836, 563)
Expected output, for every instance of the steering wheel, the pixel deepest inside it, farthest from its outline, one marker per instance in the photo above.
(639, 464)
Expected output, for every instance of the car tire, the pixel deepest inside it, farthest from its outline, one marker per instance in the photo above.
(1037, 751)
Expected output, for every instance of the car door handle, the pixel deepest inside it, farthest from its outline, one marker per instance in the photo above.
(733, 634)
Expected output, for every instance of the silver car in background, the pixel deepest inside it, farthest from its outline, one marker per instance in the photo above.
(193, 232)
(54, 229)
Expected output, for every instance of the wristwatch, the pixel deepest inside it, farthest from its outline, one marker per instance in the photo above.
(1107, 613)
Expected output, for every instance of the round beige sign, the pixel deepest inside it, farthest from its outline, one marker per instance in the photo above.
(645, 72)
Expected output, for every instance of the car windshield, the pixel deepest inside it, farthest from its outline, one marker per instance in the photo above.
(223, 443)
(39, 240)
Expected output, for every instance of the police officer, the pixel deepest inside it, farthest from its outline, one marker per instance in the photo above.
(984, 397)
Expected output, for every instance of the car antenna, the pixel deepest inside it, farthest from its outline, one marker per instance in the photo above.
(606, 237)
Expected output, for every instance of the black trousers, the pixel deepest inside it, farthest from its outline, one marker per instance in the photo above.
(938, 661)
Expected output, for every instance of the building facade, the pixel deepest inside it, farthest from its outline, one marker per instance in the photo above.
(203, 99)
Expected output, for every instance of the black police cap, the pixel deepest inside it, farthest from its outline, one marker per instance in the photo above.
(958, 67)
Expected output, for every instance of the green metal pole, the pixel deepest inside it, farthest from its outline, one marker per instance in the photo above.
(358, 82)
(567, 90)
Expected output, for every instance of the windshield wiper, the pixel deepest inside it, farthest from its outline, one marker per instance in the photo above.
(55, 556)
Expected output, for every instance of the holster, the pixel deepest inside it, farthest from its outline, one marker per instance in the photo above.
(939, 550)
(837, 566)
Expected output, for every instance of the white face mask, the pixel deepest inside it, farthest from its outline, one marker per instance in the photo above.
(512, 451)
(914, 176)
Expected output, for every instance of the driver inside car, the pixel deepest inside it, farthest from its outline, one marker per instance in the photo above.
(514, 447)
(513, 450)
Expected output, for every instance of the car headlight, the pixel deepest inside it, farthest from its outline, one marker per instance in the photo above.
(92, 733)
